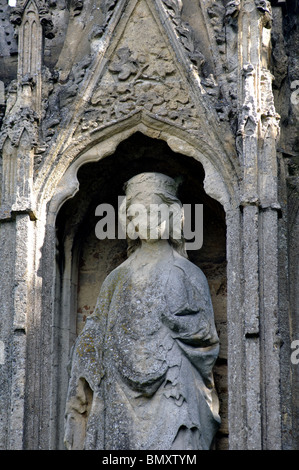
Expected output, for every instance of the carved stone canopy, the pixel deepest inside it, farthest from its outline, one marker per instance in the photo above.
(19, 12)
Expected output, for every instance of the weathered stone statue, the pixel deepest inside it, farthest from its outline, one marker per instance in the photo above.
(141, 375)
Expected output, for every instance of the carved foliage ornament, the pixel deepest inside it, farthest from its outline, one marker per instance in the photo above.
(14, 125)
(184, 31)
(142, 81)
(140, 77)
(232, 8)
(264, 7)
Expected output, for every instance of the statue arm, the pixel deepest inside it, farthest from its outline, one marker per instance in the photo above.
(77, 407)
(190, 313)
(190, 318)
(86, 372)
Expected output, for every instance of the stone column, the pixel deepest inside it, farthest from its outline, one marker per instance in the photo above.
(236, 376)
(18, 221)
(258, 129)
(293, 233)
(22, 303)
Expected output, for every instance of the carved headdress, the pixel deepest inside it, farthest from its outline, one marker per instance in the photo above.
(152, 183)
(166, 188)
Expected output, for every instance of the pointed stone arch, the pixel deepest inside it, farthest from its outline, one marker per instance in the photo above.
(220, 184)
(221, 180)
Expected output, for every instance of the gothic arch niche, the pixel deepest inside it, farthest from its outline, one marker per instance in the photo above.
(84, 261)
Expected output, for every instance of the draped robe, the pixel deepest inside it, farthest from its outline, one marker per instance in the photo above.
(141, 370)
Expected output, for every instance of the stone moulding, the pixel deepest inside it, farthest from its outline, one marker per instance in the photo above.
(106, 143)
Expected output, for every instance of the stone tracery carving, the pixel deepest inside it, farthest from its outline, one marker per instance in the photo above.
(16, 16)
(141, 373)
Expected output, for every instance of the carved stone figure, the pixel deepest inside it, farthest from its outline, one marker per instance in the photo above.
(141, 370)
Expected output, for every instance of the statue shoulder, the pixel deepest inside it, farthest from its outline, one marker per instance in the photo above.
(189, 270)
(187, 287)
(115, 276)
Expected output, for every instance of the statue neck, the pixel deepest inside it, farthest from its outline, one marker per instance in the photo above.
(153, 251)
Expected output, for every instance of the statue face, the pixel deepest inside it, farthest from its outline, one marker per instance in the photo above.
(151, 210)
(148, 218)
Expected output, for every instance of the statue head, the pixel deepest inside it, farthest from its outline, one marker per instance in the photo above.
(152, 211)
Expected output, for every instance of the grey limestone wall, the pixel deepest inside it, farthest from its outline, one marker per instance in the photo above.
(86, 101)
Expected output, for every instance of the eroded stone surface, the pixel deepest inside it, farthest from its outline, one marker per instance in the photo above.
(147, 352)
(210, 78)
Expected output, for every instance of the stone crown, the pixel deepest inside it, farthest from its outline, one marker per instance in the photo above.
(151, 183)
